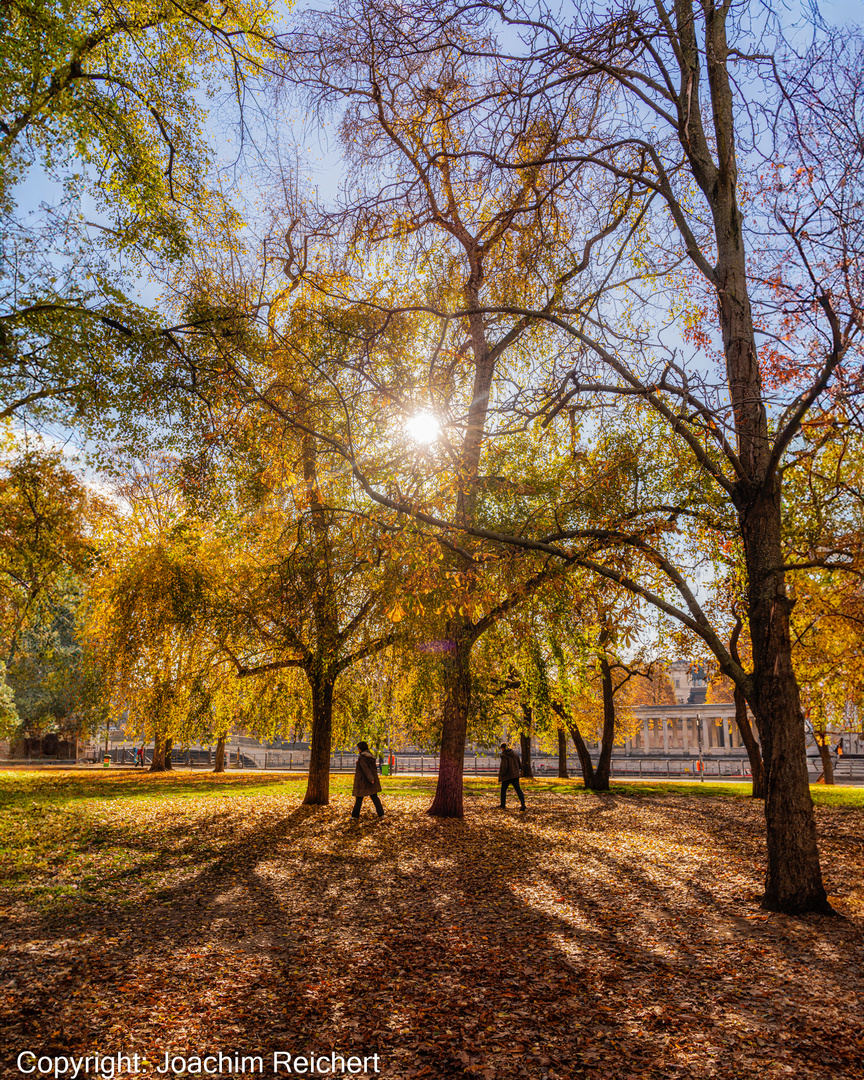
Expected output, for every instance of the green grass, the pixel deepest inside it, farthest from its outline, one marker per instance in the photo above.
(26, 789)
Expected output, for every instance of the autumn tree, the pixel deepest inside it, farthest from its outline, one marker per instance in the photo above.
(676, 132)
(9, 719)
(101, 108)
(144, 601)
(825, 549)
(46, 539)
(306, 578)
(671, 67)
(827, 654)
(459, 242)
(46, 550)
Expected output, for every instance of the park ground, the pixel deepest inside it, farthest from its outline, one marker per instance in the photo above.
(597, 936)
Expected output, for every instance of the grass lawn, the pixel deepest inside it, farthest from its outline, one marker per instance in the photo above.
(597, 936)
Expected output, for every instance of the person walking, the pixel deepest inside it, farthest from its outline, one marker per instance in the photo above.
(366, 781)
(508, 773)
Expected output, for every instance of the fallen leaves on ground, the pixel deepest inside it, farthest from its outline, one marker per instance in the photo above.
(605, 936)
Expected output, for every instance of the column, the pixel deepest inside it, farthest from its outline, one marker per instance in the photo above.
(665, 736)
(726, 741)
(646, 735)
(706, 741)
(685, 733)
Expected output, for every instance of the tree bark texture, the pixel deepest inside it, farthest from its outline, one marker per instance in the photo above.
(754, 754)
(457, 700)
(827, 762)
(318, 786)
(219, 766)
(525, 747)
(525, 744)
(562, 754)
(158, 762)
(169, 747)
(461, 633)
(793, 881)
(600, 779)
(585, 762)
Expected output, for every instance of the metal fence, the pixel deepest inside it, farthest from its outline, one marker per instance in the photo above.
(847, 770)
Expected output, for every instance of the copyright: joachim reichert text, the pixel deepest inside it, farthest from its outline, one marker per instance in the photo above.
(70, 1066)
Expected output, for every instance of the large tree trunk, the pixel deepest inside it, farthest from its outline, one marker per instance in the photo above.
(562, 754)
(600, 779)
(158, 762)
(757, 772)
(794, 878)
(525, 747)
(827, 763)
(525, 743)
(457, 699)
(169, 746)
(220, 755)
(318, 787)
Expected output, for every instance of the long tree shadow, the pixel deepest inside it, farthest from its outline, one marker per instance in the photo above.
(549, 945)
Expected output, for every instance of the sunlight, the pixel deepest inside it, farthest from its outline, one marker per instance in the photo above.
(423, 428)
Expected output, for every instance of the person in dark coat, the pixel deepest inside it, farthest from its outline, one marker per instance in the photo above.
(508, 773)
(366, 781)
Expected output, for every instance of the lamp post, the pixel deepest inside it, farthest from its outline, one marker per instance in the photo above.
(699, 740)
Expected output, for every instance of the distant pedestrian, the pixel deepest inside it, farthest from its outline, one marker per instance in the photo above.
(366, 781)
(838, 749)
(391, 761)
(508, 773)
(139, 757)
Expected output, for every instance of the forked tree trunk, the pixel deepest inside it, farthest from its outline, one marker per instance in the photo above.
(585, 762)
(562, 754)
(754, 754)
(158, 762)
(220, 755)
(169, 746)
(318, 786)
(600, 779)
(754, 751)
(525, 744)
(827, 762)
(457, 699)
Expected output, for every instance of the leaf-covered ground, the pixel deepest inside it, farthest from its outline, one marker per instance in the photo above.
(595, 936)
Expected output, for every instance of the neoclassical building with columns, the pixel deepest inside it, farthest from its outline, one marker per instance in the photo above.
(688, 729)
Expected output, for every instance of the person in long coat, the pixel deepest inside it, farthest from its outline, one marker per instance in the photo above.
(508, 773)
(366, 781)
